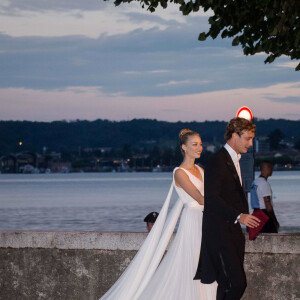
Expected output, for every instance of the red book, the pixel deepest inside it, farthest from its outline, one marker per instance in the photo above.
(253, 232)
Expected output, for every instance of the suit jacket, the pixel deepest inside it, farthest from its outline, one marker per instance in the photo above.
(224, 200)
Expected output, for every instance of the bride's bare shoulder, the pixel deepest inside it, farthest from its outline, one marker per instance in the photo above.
(180, 173)
(180, 176)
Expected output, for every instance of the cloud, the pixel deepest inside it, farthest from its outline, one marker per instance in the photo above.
(139, 17)
(125, 55)
(91, 103)
(108, 20)
(151, 62)
(288, 64)
(174, 82)
(89, 18)
(131, 72)
(183, 82)
(16, 6)
(286, 99)
(291, 116)
(146, 72)
(159, 71)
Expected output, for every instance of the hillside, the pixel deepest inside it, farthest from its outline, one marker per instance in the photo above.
(63, 135)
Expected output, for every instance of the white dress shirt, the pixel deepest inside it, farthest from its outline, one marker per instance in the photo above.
(235, 158)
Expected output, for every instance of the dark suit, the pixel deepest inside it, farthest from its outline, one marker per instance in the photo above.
(223, 243)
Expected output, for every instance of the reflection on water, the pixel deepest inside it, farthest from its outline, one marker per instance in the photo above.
(110, 201)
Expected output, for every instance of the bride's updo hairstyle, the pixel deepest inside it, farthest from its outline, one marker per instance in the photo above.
(184, 134)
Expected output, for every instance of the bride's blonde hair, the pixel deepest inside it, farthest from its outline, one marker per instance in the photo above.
(184, 134)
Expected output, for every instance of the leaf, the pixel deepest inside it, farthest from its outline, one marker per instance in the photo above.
(275, 31)
(236, 41)
(164, 4)
(270, 59)
(211, 20)
(202, 36)
(224, 34)
(298, 67)
(195, 7)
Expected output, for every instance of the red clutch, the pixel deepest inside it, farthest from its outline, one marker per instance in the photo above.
(253, 232)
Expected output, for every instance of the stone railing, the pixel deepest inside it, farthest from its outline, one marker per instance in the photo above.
(83, 265)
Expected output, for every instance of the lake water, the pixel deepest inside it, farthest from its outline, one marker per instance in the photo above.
(111, 201)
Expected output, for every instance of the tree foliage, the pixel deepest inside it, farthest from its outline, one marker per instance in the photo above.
(275, 138)
(269, 26)
(65, 136)
(297, 145)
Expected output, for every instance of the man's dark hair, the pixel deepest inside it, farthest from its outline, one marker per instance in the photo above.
(238, 125)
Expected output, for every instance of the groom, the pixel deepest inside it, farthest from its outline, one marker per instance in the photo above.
(225, 208)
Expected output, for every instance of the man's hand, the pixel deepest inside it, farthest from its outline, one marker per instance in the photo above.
(249, 220)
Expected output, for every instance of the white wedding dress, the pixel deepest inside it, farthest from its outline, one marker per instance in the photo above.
(149, 276)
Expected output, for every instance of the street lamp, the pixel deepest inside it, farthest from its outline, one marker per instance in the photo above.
(245, 112)
(247, 160)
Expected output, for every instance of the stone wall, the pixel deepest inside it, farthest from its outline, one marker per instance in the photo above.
(83, 265)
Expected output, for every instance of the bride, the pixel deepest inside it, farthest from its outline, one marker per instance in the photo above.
(149, 276)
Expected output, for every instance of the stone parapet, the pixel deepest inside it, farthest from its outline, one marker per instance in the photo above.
(83, 265)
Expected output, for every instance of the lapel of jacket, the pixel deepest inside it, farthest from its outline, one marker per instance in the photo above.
(230, 165)
(232, 168)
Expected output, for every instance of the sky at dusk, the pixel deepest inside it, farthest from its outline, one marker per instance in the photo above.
(74, 59)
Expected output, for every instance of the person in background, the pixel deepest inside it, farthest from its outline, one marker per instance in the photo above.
(150, 220)
(261, 197)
